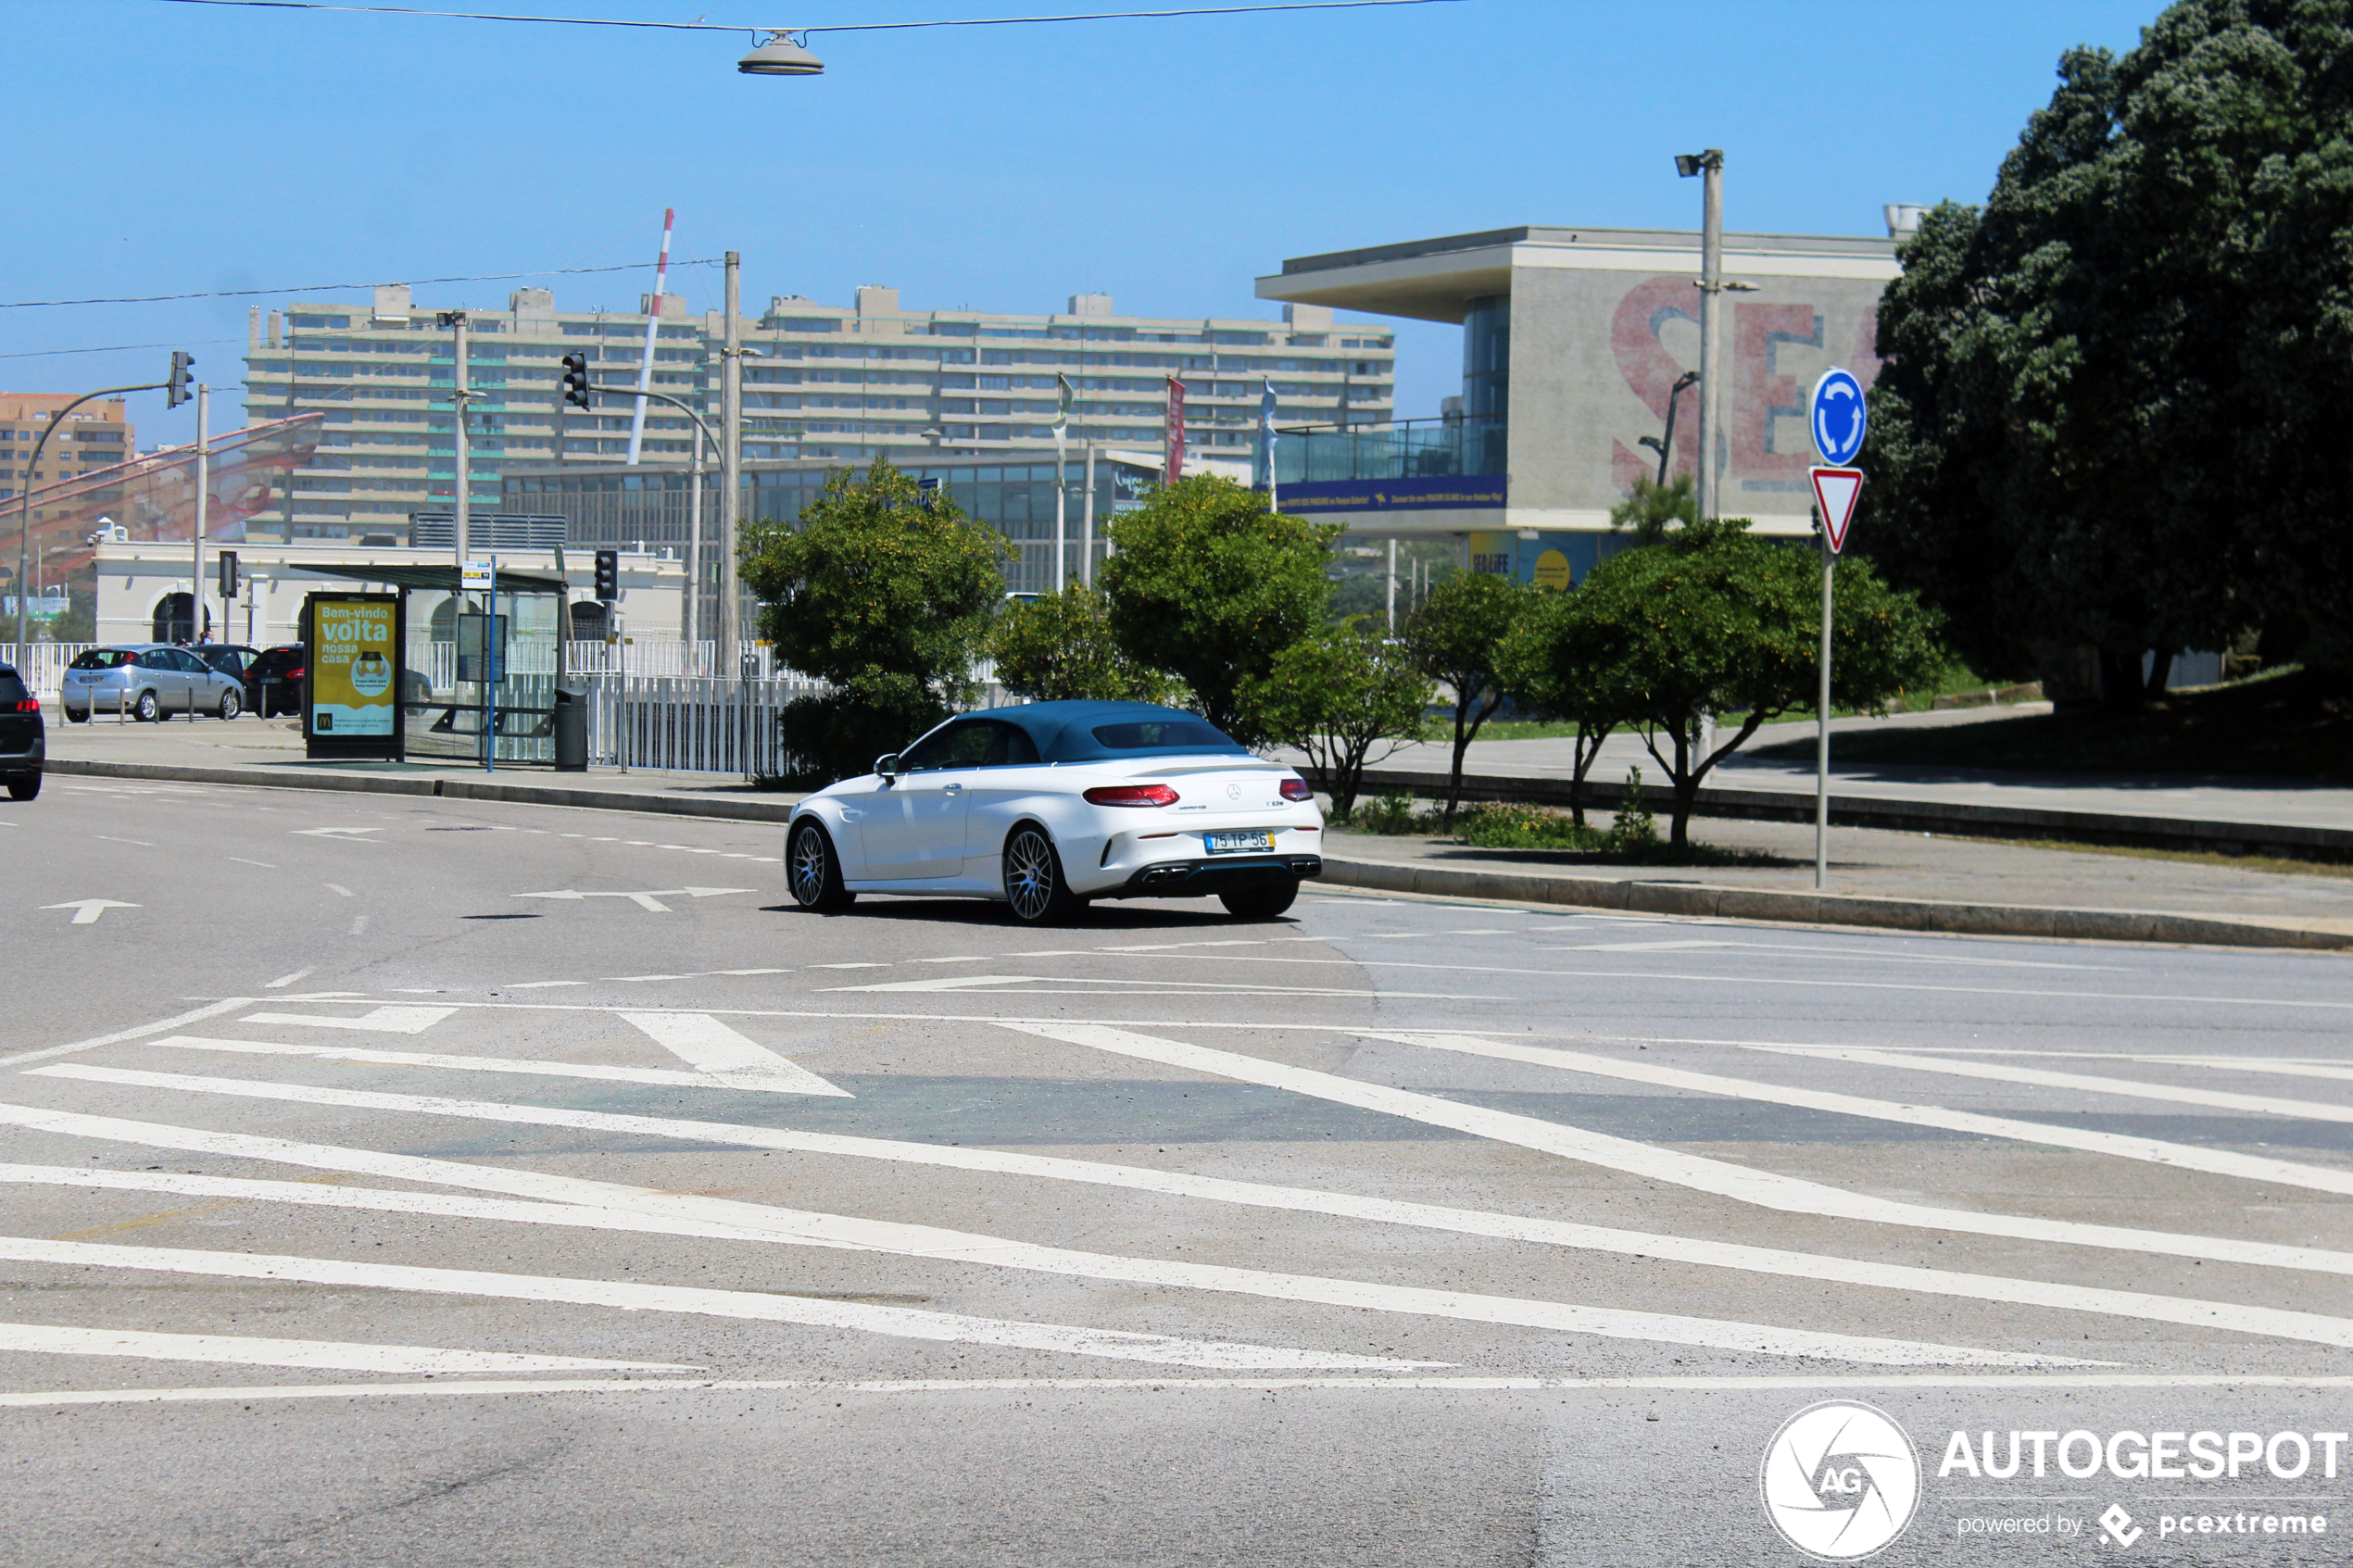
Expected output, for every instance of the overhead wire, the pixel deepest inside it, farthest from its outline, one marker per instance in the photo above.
(843, 27)
(329, 288)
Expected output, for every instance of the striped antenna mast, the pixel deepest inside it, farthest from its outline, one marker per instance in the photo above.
(653, 322)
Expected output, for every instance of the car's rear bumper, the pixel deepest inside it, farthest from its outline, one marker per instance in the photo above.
(1202, 878)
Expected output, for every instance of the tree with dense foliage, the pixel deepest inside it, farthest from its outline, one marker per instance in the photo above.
(2113, 398)
(885, 592)
(1542, 663)
(1336, 694)
(1715, 620)
(1208, 585)
(1453, 639)
(1058, 646)
(1651, 509)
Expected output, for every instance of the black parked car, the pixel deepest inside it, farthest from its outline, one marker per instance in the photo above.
(274, 680)
(236, 660)
(24, 738)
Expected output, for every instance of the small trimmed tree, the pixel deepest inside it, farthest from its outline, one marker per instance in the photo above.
(1209, 586)
(1336, 694)
(1546, 663)
(884, 592)
(1713, 619)
(1651, 509)
(1453, 637)
(1058, 646)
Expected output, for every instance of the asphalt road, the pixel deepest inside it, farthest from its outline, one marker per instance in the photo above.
(429, 1183)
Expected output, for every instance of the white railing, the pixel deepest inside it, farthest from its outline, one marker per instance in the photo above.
(700, 723)
(690, 724)
(43, 665)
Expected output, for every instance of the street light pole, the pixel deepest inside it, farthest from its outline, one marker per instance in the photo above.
(694, 502)
(204, 496)
(1711, 325)
(455, 321)
(731, 463)
(24, 497)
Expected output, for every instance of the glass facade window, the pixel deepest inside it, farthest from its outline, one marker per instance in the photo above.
(1487, 358)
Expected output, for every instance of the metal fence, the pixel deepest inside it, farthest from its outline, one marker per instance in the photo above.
(702, 723)
(43, 665)
(690, 724)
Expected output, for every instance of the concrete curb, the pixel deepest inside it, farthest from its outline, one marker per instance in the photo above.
(448, 789)
(1823, 908)
(1905, 816)
(1446, 882)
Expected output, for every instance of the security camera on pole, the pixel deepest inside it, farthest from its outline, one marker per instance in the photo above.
(1836, 417)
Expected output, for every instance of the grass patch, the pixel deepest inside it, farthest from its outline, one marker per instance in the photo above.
(1631, 839)
(2289, 723)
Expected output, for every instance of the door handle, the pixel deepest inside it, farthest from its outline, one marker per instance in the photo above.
(951, 789)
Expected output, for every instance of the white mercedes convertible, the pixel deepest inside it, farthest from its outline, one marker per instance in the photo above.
(1050, 805)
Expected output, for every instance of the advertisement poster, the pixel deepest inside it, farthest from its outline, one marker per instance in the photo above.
(351, 667)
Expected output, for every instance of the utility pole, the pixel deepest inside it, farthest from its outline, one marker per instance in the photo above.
(455, 321)
(204, 496)
(1087, 523)
(175, 391)
(1711, 325)
(731, 464)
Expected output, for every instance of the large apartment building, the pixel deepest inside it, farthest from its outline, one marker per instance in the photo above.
(831, 382)
(96, 435)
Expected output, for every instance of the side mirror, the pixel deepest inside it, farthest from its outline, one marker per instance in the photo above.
(886, 766)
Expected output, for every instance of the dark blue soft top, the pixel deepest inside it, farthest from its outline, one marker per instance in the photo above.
(1105, 732)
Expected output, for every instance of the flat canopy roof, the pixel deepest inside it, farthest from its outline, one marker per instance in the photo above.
(1435, 279)
(445, 579)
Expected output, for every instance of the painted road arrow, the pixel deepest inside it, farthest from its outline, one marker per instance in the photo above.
(87, 911)
(649, 900)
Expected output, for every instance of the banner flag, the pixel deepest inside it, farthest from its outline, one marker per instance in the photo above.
(1174, 462)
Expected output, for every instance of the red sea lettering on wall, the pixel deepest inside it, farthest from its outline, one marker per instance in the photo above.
(1775, 351)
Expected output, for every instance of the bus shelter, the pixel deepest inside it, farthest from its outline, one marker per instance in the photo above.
(476, 667)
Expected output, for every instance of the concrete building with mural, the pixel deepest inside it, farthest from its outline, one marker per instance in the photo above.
(1574, 341)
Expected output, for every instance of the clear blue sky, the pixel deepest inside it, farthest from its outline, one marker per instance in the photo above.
(157, 148)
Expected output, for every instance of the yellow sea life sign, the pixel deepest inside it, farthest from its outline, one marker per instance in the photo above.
(351, 668)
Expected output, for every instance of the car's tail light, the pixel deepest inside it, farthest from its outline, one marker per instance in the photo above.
(1131, 795)
(29, 704)
(294, 675)
(1296, 789)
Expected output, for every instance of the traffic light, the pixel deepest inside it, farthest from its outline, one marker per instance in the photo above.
(575, 381)
(609, 575)
(229, 583)
(175, 389)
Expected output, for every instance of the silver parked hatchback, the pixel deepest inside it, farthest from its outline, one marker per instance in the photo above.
(149, 681)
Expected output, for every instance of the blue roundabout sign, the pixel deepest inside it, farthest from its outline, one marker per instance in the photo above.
(1837, 417)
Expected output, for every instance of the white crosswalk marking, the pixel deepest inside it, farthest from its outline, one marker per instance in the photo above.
(938, 1244)
(234, 1350)
(574, 1207)
(671, 1077)
(2156, 1152)
(2002, 1073)
(901, 1321)
(1764, 1188)
(396, 1019)
(719, 1050)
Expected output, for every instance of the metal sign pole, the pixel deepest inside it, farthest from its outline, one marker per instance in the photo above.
(204, 495)
(1822, 732)
(491, 652)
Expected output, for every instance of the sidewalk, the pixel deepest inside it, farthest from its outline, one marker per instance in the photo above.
(2218, 797)
(1908, 881)
(1897, 880)
(252, 751)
